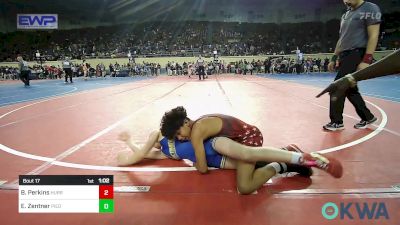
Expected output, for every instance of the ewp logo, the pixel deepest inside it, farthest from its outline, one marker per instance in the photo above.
(37, 21)
(376, 210)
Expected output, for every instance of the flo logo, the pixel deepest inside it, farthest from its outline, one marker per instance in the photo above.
(369, 15)
(355, 210)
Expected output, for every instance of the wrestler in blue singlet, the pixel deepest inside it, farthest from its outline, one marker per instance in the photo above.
(184, 150)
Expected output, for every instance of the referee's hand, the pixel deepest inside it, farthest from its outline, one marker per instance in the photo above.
(331, 66)
(336, 89)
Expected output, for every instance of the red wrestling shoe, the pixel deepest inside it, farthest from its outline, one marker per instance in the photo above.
(324, 162)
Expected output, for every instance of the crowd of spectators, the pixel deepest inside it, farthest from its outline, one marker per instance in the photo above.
(189, 38)
(84, 69)
(270, 65)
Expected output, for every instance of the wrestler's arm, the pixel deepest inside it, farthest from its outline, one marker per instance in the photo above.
(387, 66)
(201, 130)
(141, 152)
(198, 135)
(155, 154)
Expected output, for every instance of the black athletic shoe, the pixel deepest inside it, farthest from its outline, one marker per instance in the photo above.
(301, 170)
(290, 168)
(363, 124)
(333, 126)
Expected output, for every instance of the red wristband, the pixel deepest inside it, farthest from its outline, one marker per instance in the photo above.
(367, 58)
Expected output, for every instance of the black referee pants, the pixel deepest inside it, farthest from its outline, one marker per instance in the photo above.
(24, 76)
(68, 73)
(201, 72)
(348, 61)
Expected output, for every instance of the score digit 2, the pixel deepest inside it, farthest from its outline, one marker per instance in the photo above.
(106, 192)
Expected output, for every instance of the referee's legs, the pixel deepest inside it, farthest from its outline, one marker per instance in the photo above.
(348, 64)
(24, 76)
(68, 73)
(356, 99)
(201, 72)
(336, 110)
(28, 73)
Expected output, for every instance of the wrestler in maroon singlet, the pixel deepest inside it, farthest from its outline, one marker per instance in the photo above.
(238, 130)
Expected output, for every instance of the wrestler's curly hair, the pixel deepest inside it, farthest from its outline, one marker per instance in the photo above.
(172, 121)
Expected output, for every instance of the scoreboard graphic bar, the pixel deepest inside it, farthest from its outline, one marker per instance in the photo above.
(66, 194)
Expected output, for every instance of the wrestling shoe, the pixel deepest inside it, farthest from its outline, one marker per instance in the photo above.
(323, 162)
